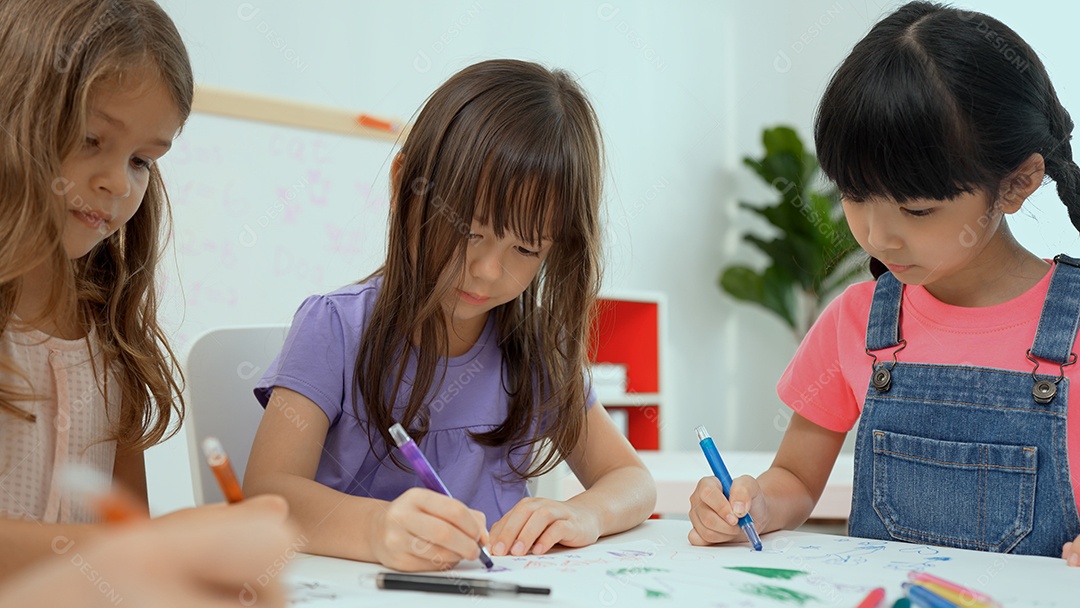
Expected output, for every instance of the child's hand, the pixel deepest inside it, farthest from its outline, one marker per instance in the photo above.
(207, 556)
(215, 554)
(1070, 552)
(424, 530)
(534, 525)
(715, 518)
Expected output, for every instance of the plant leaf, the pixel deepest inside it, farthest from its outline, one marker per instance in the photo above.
(799, 259)
(780, 140)
(779, 295)
(771, 290)
(743, 283)
(812, 247)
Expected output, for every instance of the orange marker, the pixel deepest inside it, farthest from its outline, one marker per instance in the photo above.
(366, 120)
(113, 504)
(219, 464)
(118, 507)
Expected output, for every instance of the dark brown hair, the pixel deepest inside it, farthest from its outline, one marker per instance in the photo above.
(935, 102)
(515, 146)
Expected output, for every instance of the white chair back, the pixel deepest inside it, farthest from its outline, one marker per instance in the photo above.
(221, 371)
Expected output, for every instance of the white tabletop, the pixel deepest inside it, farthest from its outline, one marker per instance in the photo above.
(654, 562)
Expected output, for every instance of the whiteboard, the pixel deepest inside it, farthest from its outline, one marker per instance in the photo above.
(265, 215)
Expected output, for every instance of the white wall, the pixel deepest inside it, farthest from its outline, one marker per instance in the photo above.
(683, 89)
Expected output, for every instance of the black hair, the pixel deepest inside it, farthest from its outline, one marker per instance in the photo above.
(935, 102)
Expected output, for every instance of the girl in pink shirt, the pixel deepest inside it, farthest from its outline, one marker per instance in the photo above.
(957, 362)
(96, 92)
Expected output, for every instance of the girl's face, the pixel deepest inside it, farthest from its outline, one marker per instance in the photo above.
(926, 241)
(496, 272)
(130, 123)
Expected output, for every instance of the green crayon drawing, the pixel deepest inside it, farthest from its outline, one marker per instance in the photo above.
(640, 570)
(778, 593)
(781, 573)
(649, 593)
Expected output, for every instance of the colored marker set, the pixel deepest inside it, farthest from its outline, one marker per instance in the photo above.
(928, 591)
(933, 592)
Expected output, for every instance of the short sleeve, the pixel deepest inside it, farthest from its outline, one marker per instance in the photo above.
(814, 383)
(312, 362)
(590, 392)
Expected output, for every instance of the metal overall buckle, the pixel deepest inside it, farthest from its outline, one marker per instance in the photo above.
(881, 379)
(1061, 258)
(1043, 391)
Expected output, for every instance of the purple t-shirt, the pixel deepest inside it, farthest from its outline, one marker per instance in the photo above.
(317, 361)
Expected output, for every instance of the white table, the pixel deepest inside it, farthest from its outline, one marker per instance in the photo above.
(677, 474)
(836, 570)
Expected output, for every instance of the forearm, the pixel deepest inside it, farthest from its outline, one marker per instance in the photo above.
(27, 542)
(797, 477)
(70, 579)
(621, 499)
(331, 522)
(54, 584)
(790, 501)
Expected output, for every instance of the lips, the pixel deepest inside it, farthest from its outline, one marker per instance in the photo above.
(472, 298)
(91, 218)
(897, 268)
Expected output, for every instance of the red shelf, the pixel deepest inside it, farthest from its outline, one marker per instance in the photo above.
(628, 332)
(644, 424)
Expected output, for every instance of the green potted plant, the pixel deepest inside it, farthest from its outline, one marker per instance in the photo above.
(812, 254)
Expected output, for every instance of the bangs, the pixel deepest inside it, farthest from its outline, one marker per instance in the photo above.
(889, 127)
(508, 145)
(526, 177)
(528, 196)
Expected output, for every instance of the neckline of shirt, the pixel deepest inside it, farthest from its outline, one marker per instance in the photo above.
(933, 311)
(27, 335)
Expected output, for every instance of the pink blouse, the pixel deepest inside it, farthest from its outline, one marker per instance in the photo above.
(73, 425)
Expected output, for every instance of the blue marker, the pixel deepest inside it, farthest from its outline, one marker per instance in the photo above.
(721, 472)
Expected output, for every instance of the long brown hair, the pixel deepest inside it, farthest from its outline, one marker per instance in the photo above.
(52, 55)
(516, 146)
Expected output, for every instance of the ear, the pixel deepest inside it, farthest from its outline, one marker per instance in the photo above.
(1022, 183)
(395, 177)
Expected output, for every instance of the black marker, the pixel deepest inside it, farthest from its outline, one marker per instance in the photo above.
(452, 584)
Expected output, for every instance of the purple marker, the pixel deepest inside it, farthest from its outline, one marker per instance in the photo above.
(427, 474)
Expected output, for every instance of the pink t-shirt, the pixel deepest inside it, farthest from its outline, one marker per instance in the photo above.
(827, 379)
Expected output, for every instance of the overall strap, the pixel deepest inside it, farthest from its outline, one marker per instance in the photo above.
(883, 329)
(1060, 316)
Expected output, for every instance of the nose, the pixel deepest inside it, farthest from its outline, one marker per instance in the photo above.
(485, 263)
(112, 177)
(881, 231)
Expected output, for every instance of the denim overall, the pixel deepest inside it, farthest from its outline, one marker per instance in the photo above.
(965, 456)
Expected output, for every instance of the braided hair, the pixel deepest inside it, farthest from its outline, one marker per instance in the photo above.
(936, 102)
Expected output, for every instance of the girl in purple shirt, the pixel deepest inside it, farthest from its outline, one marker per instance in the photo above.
(472, 335)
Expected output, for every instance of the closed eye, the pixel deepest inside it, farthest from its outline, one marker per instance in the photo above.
(528, 252)
(918, 212)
